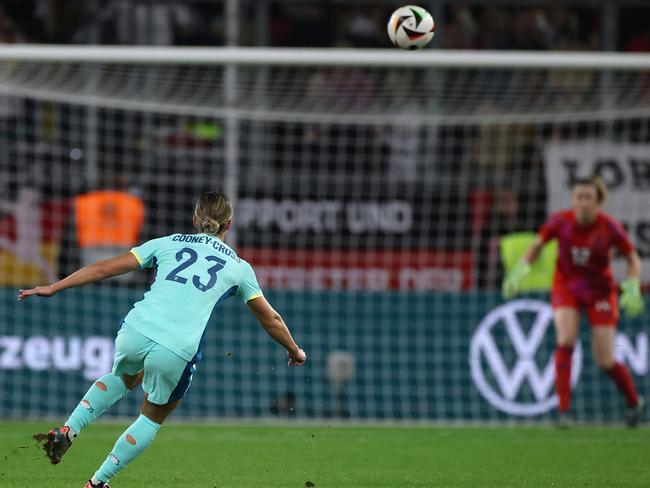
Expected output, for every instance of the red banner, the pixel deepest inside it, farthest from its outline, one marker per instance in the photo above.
(30, 235)
(418, 270)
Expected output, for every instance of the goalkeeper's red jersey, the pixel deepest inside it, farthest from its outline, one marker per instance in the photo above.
(585, 251)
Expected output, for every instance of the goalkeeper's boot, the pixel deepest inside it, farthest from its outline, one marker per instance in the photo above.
(55, 443)
(89, 484)
(633, 414)
(564, 420)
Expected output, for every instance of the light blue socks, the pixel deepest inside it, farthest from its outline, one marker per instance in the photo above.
(133, 441)
(102, 394)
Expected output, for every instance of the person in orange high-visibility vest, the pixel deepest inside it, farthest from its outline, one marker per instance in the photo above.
(107, 222)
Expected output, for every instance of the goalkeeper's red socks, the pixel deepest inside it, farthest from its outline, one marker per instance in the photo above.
(563, 376)
(620, 375)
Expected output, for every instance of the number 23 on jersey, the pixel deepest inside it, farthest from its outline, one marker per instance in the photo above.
(187, 257)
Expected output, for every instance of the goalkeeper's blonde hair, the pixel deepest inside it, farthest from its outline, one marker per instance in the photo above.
(599, 185)
(213, 212)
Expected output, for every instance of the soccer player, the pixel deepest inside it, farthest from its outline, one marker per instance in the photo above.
(161, 338)
(583, 280)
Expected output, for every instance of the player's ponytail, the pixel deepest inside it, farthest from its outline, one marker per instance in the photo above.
(213, 212)
(601, 189)
(599, 185)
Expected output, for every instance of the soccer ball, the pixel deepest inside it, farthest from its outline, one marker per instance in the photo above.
(410, 27)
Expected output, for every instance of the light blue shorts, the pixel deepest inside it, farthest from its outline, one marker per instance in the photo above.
(167, 376)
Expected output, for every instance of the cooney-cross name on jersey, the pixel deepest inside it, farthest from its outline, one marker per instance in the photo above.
(217, 245)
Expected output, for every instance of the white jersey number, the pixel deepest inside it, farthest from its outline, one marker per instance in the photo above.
(580, 255)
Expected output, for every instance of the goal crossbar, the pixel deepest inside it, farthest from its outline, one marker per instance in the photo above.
(330, 57)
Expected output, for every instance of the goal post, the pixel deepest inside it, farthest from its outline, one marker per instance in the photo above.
(374, 191)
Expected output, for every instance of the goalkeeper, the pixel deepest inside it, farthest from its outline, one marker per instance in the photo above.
(160, 340)
(583, 280)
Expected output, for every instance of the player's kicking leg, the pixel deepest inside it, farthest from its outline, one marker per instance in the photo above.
(102, 394)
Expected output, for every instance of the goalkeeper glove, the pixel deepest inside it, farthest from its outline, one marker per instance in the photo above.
(513, 281)
(631, 300)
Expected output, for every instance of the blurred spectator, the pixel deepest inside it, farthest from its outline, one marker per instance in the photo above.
(278, 25)
(495, 147)
(561, 25)
(504, 218)
(640, 41)
(572, 29)
(402, 139)
(362, 30)
(342, 90)
(11, 107)
(460, 29)
(538, 28)
(528, 30)
(58, 20)
(137, 22)
(493, 32)
(309, 24)
(9, 33)
(303, 25)
(108, 222)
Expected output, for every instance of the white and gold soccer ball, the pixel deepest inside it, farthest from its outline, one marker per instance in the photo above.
(410, 27)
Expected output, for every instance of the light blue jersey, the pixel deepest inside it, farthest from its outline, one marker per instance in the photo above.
(195, 274)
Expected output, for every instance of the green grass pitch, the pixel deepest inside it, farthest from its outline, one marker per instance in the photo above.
(224, 456)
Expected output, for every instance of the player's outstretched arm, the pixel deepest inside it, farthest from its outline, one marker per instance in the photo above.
(88, 274)
(513, 281)
(277, 329)
(532, 253)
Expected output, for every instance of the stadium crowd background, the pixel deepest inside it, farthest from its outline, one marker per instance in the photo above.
(491, 174)
(332, 191)
(542, 25)
(506, 159)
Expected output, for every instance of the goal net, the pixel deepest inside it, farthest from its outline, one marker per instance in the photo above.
(379, 196)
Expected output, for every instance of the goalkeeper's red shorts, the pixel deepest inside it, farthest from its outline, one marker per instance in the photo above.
(601, 312)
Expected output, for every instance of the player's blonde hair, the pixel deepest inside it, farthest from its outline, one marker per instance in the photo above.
(599, 185)
(212, 211)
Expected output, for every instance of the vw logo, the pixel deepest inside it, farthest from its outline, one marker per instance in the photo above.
(503, 391)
